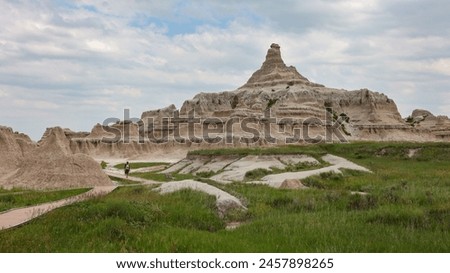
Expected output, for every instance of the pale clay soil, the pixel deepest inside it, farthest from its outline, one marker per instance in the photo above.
(275, 180)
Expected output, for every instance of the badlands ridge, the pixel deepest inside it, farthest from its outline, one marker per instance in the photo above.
(277, 105)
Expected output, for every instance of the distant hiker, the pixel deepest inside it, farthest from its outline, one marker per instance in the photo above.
(127, 169)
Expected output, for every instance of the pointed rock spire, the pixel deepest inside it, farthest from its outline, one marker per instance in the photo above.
(274, 71)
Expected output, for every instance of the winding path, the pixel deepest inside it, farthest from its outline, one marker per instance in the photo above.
(19, 216)
(224, 200)
(138, 180)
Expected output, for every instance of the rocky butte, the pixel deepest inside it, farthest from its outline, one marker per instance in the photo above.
(277, 105)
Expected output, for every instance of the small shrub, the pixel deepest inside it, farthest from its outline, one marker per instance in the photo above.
(103, 164)
(290, 204)
(441, 216)
(334, 196)
(313, 183)
(393, 194)
(301, 166)
(415, 219)
(237, 215)
(361, 202)
(281, 202)
(271, 103)
(137, 190)
(113, 230)
(256, 174)
(125, 210)
(310, 204)
(182, 176)
(332, 176)
(7, 199)
(205, 174)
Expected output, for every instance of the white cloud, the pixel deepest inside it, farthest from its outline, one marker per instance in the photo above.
(36, 104)
(405, 88)
(3, 94)
(441, 66)
(100, 46)
(105, 104)
(101, 56)
(356, 11)
(124, 91)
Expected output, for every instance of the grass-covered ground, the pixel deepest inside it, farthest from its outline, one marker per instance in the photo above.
(137, 165)
(407, 209)
(17, 198)
(160, 177)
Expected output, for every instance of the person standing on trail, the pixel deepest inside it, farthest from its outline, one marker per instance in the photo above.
(127, 169)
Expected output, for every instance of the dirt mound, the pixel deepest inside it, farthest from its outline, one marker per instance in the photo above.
(51, 165)
(59, 171)
(292, 184)
(13, 146)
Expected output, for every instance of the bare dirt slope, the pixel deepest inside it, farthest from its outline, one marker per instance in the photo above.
(13, 147)
(50, 164)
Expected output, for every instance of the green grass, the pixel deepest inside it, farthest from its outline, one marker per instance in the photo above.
(2, 190)
(160, 177)
(17, 199)
(257, 174)
(137, 165)
(103, 164)
(313, 150)
(123, 181)
(407, 209)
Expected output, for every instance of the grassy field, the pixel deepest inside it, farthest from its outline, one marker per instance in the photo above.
(24, 198)
(137, 165)
(123, 181)
(406, 209)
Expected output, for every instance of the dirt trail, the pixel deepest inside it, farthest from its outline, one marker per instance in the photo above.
(142, 181)
(20, 216)
(224, 200)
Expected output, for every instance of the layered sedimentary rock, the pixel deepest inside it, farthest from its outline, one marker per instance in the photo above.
(280, 92)
(48, 164)
(13, 147)
(438, 126)
(277, 105)
(274, 71)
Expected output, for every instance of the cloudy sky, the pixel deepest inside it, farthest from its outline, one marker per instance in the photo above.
(76, 63)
